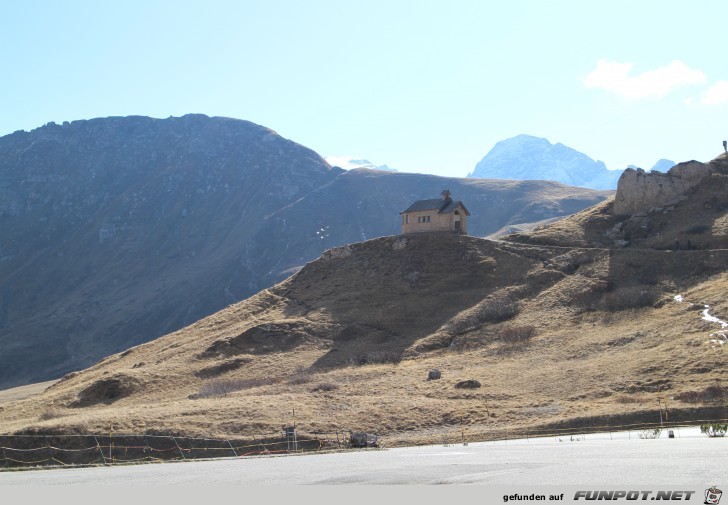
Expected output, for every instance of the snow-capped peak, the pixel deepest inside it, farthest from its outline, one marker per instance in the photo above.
(350, 163)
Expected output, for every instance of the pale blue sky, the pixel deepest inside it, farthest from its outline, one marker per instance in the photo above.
(421, 86)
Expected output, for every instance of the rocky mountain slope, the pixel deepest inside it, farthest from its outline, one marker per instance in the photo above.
(118, 230)
(525, 157)
(559, 328)
(684, 209)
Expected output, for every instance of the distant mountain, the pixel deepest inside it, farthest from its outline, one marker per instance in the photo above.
(531, 158)
(663, 165)
(115, 231)
(348, 163)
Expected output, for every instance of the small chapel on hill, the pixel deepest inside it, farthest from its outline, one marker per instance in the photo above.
(439, 214)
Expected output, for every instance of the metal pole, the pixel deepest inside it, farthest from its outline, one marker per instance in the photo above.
(232, 448)
(178, 447)
(659, 404)
(48, 446)
(295, 439)
(99, 448)
(666, 418)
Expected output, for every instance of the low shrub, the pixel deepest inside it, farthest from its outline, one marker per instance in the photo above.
(468, 384)
(490, 310)
(630, 298)
(496, 310)
(650, 433)
(324, 386)
(698, 229)
(225, 387)
(711, 394)
(301, 376)
(517, 333)
(375, 357)
(221, 368)
(714, 430)
(49, 414)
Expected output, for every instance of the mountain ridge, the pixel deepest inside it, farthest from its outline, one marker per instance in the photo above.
(117, 231)
(526, 157)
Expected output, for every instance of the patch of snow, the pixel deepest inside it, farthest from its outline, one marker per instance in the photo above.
(349, 163)
(713, 319)
(718, 337)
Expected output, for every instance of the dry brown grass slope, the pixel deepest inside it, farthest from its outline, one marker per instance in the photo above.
(575, 323)
(555, 335)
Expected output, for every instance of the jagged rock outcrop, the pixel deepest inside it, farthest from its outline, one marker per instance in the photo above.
(639, 191)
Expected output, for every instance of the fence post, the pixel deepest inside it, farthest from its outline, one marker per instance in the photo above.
(232, 448)
(207, 447)
(48, 445)
(174, 439)
(98, 446)
(5, 455)
(147, 449)
(262, 445)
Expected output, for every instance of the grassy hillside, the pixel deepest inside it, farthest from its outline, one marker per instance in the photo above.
(554, 335)
(116, 231)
